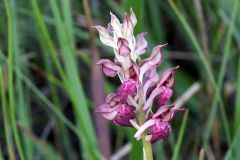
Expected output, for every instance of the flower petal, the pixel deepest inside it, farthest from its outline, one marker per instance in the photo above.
(167, 78)
(160, 131)
(105, 36)
(123, 47)
(133, 18)
(132, 72)
(110, 116)
(162, 110)
(122, 121)
(112, 96)
(165, 95)
(128, 88)
(127, 26)
(145, 126)
(141, 44)
(105, 108)
(151, 62)
(150, 99)
(109, 68)
(149, 80)
(116, 25)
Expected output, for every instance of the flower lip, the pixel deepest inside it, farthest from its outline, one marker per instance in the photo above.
(125, 113)
(128, 88)
(160, 131)
(164, 96)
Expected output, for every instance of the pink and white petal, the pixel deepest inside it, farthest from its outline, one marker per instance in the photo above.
(109, 72)
(145, 126)
(150, 99)
(167, 77)
(123, 47)
(133, 18)
(151, 62)
(109, 68)
(112, 96)
(151, 74)
(109, 28)
(150, 79)
(127, 26)
(134, 123)
(105, 108)
(141, 44)
(162, 110)
(105, 36)
(110, 116)
(132, 72)
(168, 116)
(116, 25)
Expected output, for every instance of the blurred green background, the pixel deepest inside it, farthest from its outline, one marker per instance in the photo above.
(50, 85)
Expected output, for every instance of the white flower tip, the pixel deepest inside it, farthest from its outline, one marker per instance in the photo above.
(134, 124)
(164, 44)
(113, 16)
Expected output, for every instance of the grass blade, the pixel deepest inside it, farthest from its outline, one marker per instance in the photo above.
(180, 137)
(217, 97)
(10, 81)
(6, 122)
(21, 100)
(75, 90)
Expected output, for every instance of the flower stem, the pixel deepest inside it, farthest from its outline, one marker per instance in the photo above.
(147, 147)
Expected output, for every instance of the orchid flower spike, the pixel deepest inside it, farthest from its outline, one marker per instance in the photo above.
(140, 81)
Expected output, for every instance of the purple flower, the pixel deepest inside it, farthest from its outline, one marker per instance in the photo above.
(159, 131)
(114, 110)
(124, 114)
(141, 85)
(162, 91)
(163, 96)
(158, 126)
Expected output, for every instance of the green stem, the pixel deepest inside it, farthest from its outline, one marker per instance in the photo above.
(147, 147)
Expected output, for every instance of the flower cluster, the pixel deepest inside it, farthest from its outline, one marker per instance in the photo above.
(141, 88)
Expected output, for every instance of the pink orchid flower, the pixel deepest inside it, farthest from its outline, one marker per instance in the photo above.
(141, 85)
